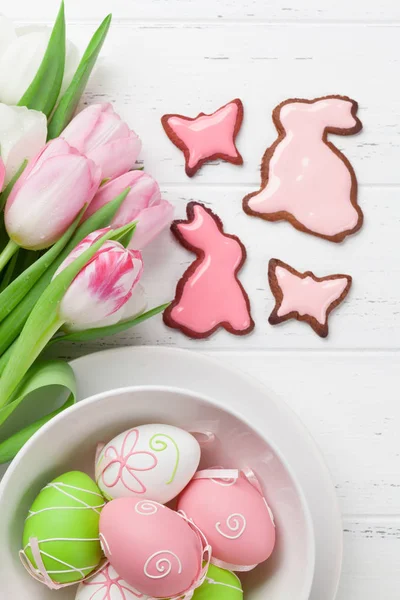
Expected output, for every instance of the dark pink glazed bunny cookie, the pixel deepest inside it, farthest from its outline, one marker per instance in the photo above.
(209, 295)
(207, 137)
(305, 179)
(305, 297)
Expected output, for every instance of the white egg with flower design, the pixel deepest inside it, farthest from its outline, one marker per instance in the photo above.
(107, 585)
(149, 461)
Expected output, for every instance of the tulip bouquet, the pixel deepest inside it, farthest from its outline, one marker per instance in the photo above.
(74, 216)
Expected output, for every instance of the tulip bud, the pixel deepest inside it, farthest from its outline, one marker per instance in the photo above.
(135, 306)
(101, 135)
(23, 134)
(21, 55)
(46, 199)
(103, 286)
(142, 204)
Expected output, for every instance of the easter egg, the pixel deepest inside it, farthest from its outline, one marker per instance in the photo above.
(64, 519)
(234, 517)
(150, 461)
(152, 547)
(107, 585)
(219, 585)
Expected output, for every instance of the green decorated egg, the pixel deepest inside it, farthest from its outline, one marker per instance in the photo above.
(219, 585)
(63, 527)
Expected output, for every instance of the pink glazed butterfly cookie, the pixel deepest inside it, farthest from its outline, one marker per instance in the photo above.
(305, 297)
(209, 295)
(207, 137)
(305, 179)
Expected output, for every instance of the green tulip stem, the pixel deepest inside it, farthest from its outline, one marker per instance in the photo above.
(7, 254)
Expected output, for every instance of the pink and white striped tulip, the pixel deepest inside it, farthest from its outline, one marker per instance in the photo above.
(100, 134)
(135, 306)
(2, 174)
(103, 287)
(54, 187)
(143, 204)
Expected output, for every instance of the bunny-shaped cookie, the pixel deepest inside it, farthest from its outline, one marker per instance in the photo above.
(209, 295)
(306, 180)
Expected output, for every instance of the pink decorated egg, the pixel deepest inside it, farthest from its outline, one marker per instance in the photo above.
(234, 517)
(151, 547)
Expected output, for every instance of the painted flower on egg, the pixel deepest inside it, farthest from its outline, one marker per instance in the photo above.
(107, 585)
(129, 461)
(149, 461)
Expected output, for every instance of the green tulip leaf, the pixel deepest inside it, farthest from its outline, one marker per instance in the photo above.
(100, 219)
(12, 325)
(101, 332)
(126, 239)
(70, 100)
(9, 272)
(44, 320)
(8, 189)
(18, 289)
(4, 358)
(43, 92)
(3, 233)
(42, 375)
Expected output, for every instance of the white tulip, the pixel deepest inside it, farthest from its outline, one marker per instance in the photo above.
(23, 134)
(21, 54)
(135, 306)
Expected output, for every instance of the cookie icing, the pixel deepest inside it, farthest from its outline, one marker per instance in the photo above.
(209, 295)
(305, 297)
(207, 137)
(306, 180)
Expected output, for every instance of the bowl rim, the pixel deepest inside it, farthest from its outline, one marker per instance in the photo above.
(125, 390)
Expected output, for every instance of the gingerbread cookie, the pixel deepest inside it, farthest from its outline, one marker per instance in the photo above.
(305, 179)
(305, 297)
(209, 295)
(207, 137)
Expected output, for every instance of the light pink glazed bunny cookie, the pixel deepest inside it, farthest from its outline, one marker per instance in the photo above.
(209, 295)
(306, 180)
(206, 137)
(305, 297)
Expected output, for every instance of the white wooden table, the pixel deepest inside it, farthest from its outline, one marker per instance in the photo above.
(195, 55)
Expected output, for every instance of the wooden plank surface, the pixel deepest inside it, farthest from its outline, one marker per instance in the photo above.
(250, 10)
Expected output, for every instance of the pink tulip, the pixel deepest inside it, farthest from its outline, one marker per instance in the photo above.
(143, 204)
(103, 286)
(54, 187)
(100, 134)
(2, 174)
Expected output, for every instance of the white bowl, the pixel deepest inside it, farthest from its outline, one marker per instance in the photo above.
(68, 442)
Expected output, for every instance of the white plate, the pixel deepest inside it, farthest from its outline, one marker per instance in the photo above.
(198, 373)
